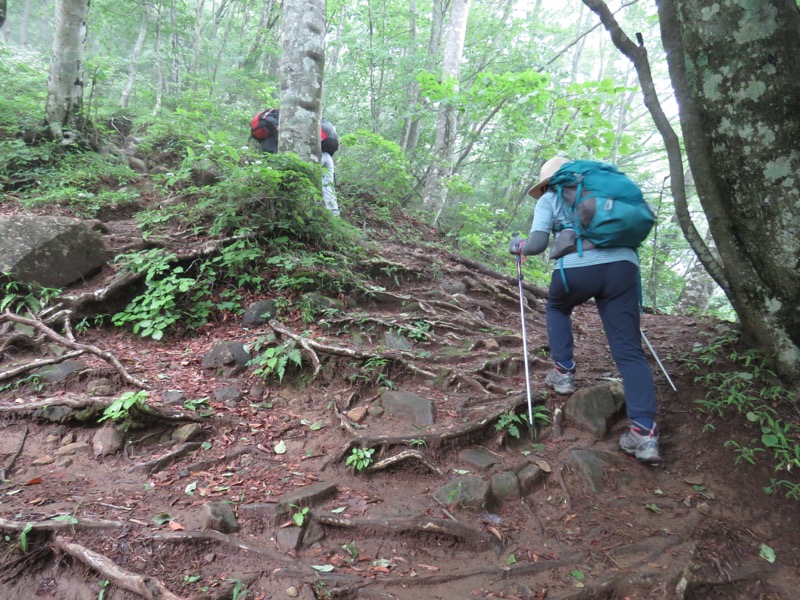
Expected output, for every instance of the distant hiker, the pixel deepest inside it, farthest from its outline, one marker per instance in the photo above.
(610, 276)
(264, 128)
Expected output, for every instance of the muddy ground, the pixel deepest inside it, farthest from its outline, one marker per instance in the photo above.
(128, 525)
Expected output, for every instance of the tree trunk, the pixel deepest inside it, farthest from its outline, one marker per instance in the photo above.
(302, 70)
(157, 60)
(697, 290)
(137, 52)
(65, 85)
(2, 12)
(435, 194)
(434, 46)
(737, 80)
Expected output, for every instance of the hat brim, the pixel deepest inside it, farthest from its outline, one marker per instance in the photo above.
(538, 190)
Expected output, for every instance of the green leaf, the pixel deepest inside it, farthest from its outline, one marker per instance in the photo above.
(163, 518)
(340, 510)
(322, 568)
(770, 440)
(578, 574)
(189, 489)
(654, 507)
(280, 447)
(767, 553)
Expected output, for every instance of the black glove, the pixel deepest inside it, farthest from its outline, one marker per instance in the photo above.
(516, 244)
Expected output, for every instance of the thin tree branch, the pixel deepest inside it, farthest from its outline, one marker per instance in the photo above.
(637, 54)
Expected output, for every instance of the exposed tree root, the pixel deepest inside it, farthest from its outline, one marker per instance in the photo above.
(143, 585)
(481, 268)
(217, 537)
(97, 404)
(416, 525)
(17, 370)
(476, 429)
(403, 358)
(10, 570)
(18, 526)
(65, 341)
(204, 465)
(401, 456)
(5, 471)
(486, 573)
(161, 463)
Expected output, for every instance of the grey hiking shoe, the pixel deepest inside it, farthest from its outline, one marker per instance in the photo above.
(562, 383)
(641, 443)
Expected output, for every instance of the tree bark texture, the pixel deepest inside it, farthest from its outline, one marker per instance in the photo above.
(67, 68)
(736, 74)
(435, 194)
(302, 70)
(2, 12)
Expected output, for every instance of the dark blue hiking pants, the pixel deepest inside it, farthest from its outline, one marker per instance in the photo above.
(615, 288)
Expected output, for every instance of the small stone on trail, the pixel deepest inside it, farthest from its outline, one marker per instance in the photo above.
(292, 592)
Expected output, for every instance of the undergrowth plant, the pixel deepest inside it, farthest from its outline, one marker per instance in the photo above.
(751, 392)
(360, 458)
(120, 410)
(275, 358)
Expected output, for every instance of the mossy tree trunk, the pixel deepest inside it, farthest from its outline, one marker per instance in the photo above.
(736, 77)
(64, 109)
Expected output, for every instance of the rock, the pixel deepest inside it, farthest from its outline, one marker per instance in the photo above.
(259, 313)
(408, 407)
(322, 302)
(188, 432)
(45, 459)
(468, 490)
(393, 341)
(71, 449)
(173, 397)
(358, 414)
(529, 477)
(51, 251)
(505, 486)
(228, 395)
(137, 164)
(479, 458)
(277, 512)
(229, 358)
(108, 440)
(204, 172)
(219, 517)
(100, 387)
(594, 409)
(590, 466)
(60, 371)
(288, 538)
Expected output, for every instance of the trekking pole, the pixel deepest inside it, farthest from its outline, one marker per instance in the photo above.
(658, 360)
(525, 345)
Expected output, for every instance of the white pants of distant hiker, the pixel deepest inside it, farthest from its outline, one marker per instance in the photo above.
(328, 189)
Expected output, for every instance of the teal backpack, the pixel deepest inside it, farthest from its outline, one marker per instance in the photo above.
(608, 207)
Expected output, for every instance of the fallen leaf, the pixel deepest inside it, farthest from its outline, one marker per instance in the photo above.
(175, 526)
(34, 481)
(543, 465)
(381, 569)
(429, 567)
(496, 533)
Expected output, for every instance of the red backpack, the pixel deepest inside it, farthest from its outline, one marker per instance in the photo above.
(258, 125)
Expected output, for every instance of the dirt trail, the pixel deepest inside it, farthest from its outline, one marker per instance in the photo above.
(692, 527)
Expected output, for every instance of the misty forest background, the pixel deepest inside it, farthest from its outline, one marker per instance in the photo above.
(537, 79)
(446, 110)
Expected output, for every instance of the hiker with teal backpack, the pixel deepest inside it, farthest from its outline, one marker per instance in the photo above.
(599, 218)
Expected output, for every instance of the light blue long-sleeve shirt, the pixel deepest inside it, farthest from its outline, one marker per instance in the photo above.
(550, 214)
